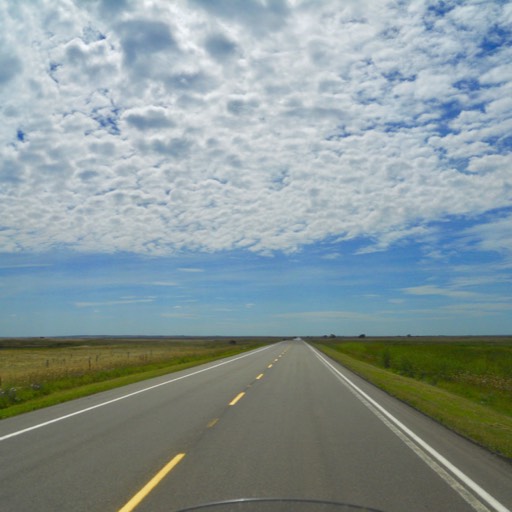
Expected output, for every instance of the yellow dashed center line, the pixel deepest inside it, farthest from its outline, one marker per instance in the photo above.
(137, 498)
(237, 397)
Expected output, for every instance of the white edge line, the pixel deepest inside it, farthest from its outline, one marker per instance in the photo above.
(482, 493)
(81, 411)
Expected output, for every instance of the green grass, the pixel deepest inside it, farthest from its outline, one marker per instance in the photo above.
(62, 393)
(464, 384)
(53, 372)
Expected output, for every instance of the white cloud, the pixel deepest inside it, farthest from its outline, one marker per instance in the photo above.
(160, 127)
(331, 256)
(148, 118)
(10, 66)
(112, 302)
(25, 265)
(479, 280)
(325, 315)
(182, 316)
(436, 290)
(495, 235)
(478, 309)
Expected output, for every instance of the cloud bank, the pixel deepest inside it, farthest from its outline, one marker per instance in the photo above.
(157, 127)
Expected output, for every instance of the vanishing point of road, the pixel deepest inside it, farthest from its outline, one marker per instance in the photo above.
(279, 421)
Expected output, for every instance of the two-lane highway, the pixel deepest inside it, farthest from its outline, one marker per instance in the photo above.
(283, 421)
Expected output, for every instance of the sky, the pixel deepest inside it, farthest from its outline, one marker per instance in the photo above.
(287, 168)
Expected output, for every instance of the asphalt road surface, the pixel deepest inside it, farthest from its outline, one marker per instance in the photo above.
(282, 421)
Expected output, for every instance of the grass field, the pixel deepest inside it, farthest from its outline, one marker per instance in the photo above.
(465, 383)
(41, 371)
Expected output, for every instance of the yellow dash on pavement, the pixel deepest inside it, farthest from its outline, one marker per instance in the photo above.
(259, 376)
(213, 422)
(275, 360)
(137, 498)
(269, 366)
(237, 397)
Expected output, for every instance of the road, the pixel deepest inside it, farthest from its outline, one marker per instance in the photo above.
(282, 421)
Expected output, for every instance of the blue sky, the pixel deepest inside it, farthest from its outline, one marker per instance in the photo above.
(255, 168)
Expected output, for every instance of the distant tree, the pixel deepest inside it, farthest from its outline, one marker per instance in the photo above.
(362, 335)
(332, 336)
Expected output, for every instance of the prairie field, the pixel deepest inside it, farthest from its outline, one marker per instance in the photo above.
(34, 368)
(479, 369)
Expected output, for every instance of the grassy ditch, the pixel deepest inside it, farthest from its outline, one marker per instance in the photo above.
(465, 384)
(37, 373)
